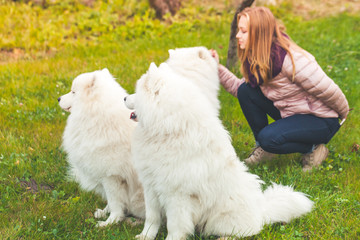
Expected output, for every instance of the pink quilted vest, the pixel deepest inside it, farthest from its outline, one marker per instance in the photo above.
(311, 92)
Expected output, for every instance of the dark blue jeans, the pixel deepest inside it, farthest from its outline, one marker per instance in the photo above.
(297, 133)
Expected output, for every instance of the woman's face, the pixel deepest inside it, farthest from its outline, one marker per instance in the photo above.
(242, 34)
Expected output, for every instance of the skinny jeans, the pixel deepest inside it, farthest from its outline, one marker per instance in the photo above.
(298, 133)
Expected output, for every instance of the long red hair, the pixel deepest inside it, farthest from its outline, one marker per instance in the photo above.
(263, 30)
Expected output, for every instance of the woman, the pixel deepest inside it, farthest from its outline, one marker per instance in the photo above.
(285, 82)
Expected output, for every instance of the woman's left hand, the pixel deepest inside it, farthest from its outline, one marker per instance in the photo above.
(215, 55)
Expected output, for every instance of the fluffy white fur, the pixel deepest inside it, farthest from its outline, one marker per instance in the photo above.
(196, 65)
(186, 162)
(97, 140)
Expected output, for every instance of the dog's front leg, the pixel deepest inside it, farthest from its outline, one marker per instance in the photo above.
(100, 213)
(116, 196)
(153, 216)
(180, 223)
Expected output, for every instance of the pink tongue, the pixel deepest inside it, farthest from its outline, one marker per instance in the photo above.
(133, 116)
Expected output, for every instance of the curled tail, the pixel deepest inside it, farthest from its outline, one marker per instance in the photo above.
(282, 204)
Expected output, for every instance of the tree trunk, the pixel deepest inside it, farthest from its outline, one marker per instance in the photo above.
(165, 6)
(232, 57)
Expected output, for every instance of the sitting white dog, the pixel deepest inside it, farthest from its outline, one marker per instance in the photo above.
(187, 164)
(97, 140)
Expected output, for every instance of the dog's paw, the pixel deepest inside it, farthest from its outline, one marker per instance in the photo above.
(101, 224)
(142, 237)
(178, 236)
(113, 218)
(100, 213)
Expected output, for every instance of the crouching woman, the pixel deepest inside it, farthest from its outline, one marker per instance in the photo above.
(282, 80)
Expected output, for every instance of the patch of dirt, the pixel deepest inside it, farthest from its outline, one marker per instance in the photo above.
(322, 8)
(33, 186)
(355, 147)
(16, 54)
(307, 8)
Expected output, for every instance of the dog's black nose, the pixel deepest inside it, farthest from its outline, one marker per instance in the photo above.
(124, 99)
(59, 99)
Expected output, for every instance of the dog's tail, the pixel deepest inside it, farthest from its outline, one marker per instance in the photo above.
(282, 204)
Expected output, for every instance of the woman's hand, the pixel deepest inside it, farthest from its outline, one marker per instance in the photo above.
(215, 55)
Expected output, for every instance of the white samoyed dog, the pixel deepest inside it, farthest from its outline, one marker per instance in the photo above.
(97, 140)
(187, 164)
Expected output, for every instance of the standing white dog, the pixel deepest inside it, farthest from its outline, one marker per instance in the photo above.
(187, 164)
(97, 140)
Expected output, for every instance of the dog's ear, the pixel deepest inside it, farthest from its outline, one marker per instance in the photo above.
(153, 81)
(202, 53)
(89, 83)
(152, 68)
(92, 81)
(152, 75)
(105, 70)
(171, 52)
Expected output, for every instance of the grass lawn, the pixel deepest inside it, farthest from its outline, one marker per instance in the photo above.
(42, 50)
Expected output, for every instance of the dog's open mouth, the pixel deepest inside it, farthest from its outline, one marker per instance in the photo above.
(133, 116)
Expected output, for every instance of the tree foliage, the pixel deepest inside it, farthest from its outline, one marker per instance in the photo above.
(163, 7)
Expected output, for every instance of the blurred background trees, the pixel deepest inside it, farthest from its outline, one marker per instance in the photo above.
(163, 7)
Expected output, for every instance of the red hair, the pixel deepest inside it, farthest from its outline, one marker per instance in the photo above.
(263, 31)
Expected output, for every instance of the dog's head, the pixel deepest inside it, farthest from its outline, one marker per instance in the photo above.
(148, 86)
(166, 102)
(82, 88)
(197, 65)
(191, 58)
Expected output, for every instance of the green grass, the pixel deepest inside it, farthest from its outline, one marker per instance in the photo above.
(31, 122)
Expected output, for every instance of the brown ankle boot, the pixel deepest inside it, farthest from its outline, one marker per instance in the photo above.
(315, 158)
(258, 155)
